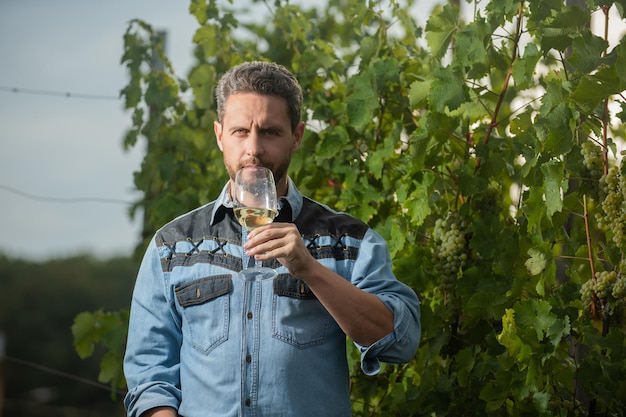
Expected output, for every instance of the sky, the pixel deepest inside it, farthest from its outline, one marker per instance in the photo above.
(65, 180)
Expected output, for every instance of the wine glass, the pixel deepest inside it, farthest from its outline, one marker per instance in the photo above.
(255, 205)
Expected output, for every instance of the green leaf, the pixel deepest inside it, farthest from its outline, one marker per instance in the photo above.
(516, 348)
(369, 47)
(559, 31)
(540, 400)
(418, 204)
(508, 8)
(546, 280)
(362, 102)
(554, 174)
(524, 68)
(162, 90)
(448, 90)
(620, 51)
(419, 92)
(469, 49)
(544, 10)
(587, 52)
(441, 28)
(111, 369)
(332, 142)
(206, 37)
(385, 73)
(198, 8)
(536, 315)
(84, 334)
(594, 89)
(537, 262)
(559, 127)
(132, 94)
(378, 157)
(397, 235)
(202, 80)
(493, 394)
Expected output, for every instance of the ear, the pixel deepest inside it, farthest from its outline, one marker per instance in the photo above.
(217, 128)
(297, 137)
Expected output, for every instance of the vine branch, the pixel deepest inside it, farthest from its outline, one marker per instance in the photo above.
(605, 111)
(507, 79)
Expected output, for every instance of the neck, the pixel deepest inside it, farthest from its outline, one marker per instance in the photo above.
(282, 187)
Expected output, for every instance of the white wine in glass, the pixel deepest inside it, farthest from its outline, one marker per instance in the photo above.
(255, 205)
(251, 218)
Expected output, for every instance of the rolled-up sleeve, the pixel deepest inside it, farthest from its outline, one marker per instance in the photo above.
(152, 358)
(373, 273)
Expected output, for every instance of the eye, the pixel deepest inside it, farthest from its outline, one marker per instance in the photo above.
(240, 132)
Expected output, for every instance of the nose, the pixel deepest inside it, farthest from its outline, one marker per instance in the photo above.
(253, 144)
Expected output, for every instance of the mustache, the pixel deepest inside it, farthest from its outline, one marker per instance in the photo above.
(253, 161)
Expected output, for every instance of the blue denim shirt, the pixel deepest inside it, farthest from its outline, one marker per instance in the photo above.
(208, 343)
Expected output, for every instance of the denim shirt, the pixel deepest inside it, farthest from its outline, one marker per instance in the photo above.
(208, 343)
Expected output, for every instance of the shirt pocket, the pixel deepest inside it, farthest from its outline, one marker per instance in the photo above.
(205, 303)
(298, 318)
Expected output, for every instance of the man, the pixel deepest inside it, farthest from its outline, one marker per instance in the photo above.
(205, 342)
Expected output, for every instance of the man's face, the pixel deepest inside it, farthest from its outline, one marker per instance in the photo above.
(255, 130)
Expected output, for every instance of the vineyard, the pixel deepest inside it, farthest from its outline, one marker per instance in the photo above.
(487, 151)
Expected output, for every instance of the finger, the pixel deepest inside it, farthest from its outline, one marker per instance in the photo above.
(262, 245)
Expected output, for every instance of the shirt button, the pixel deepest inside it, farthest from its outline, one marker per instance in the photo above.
(247, 402)
(249, 315)
(248, 358)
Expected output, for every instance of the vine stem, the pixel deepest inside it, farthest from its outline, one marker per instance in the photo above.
(605, 157)
(594, 303)
(507, 79)
(605, 112)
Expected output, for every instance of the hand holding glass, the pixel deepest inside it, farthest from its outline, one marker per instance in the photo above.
(255, 205)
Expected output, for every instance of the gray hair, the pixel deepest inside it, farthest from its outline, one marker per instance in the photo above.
(264, 78)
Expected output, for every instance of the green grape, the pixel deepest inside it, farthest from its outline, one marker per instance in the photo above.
(619, 288)
(613, 188)
(604, 283)
(586, 293)
(592, 156)
(449, 254)
(593, 164)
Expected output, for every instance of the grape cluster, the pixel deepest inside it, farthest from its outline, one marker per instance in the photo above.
(450, 253)
(619, 288)
(613, 215)
(586, 293)
(592, 157)
(608, 284)
(593, 163)
(604, 283)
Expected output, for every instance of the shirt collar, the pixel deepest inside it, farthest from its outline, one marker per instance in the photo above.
(289, 206)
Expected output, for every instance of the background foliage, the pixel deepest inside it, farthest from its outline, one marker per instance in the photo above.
(41, 375)
(486, 152)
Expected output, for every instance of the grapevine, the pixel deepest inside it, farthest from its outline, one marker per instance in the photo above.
(455, 102)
